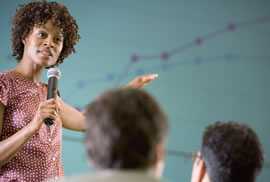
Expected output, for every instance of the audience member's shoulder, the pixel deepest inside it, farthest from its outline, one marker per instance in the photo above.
(79, 178)
(108, 177)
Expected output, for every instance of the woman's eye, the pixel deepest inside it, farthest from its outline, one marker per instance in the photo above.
(41, 34)
(58, 39)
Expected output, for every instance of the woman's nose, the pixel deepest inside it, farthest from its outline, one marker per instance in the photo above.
(48, 43)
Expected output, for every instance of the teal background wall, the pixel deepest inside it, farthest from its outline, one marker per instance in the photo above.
(212, 58)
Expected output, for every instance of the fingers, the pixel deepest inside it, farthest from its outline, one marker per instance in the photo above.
(148, 78)
(49, 114)
(51, 103)
(48, 109)
(152, 76)
(59, 104)
(141, 81)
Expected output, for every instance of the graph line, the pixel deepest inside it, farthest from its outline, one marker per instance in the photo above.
(198, 41)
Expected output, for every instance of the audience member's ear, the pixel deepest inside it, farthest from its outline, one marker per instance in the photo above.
(160, 152)
(159, 160)
(199, 169)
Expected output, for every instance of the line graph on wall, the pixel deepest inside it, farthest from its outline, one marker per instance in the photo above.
(163, 58)
(162, 61)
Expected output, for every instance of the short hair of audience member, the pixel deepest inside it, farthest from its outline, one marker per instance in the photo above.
(124, 128)
(232, 152)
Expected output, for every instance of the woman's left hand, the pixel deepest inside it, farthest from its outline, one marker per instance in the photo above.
(141, 81)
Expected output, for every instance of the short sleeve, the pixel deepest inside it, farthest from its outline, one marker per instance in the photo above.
(4, 89)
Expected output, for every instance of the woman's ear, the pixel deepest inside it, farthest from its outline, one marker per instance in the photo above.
(24, 40)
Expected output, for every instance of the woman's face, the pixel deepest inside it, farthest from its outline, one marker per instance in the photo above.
(43, 45)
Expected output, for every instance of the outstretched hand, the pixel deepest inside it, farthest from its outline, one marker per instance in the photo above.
(141, 81)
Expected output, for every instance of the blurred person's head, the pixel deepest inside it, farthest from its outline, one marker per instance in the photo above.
(230, 152)
(126, 131)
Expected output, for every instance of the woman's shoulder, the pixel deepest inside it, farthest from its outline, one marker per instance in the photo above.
(10, 76)
(5, 75)
(5, 86)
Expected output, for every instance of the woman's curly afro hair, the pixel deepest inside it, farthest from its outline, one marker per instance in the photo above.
(38, 13)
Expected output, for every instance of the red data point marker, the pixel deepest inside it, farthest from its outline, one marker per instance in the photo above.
(134, 58)
(164, 56)
(199, 41)
(231, 27)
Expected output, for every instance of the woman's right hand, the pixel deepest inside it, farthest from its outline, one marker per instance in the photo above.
(46, 109)
(10, 146)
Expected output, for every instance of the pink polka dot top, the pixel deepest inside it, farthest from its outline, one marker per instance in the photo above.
(40, 157)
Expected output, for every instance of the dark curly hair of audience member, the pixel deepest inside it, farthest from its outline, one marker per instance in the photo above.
(232, 152)
(124, 127)
(38, 13)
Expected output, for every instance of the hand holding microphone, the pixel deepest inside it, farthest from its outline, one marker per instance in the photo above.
(53, 75)
(46, 109)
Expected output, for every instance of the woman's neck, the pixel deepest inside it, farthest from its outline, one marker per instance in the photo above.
(30, 71)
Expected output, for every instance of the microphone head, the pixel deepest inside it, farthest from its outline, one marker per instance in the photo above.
(54, 72)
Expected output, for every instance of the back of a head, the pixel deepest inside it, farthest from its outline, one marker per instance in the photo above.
(124, 127)
(232, 152)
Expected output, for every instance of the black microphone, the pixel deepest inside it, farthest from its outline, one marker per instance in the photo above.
(53, 75)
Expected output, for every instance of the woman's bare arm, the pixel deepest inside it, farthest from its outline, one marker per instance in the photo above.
(10, 146)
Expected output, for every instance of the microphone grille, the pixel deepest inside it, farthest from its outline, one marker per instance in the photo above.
(54, 72)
